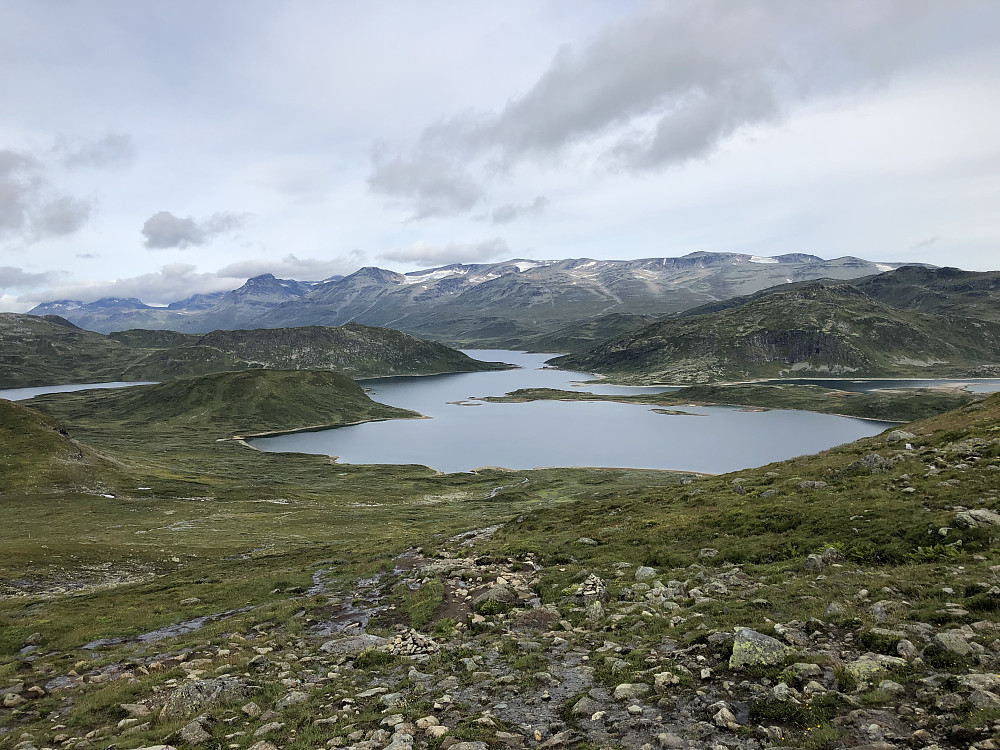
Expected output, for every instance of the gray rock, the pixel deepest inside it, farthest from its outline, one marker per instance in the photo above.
(812, 485)
(751, 648)
(586, 707)
(630, 691)
(273, 726)
(898, 436)
(645, 573)
(262, 745)
(352, 645)
(814, 563)
(979, 518)
(199, 694)
(953, 642)
(293, 698)
(194, 732)
(469, 746)
(501, 594)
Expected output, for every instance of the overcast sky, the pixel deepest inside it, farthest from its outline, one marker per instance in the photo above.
(166, 147)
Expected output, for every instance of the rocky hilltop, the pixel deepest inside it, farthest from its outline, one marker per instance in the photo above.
(806, 329)
(51, 350)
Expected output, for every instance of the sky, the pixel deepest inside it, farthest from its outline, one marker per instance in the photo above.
(163, 148)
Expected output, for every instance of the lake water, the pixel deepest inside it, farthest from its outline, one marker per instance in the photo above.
(554, 433)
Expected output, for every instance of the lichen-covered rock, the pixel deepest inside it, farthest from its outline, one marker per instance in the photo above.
(199, 694)
(753, 649)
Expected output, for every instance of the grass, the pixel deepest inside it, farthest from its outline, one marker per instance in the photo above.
(889, 405)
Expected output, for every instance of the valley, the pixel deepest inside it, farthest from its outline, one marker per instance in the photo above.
(163, 583)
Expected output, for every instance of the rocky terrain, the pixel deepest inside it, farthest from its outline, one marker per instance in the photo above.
(620, 658)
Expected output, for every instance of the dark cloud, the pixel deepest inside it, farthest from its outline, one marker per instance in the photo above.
(164, 230)
(671, 85)
(512, 212)
(30, 208)
(423, 253)
(113, 150)
(12, 278)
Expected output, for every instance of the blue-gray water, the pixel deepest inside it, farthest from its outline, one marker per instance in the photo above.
(556, 433)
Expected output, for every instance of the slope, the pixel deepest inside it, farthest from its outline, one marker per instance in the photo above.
(815, 328)
(225, 403)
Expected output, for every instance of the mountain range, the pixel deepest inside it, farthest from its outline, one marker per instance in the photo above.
(491, 304)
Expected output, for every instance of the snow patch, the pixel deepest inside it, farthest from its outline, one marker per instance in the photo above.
(884, 267)
(761, 259)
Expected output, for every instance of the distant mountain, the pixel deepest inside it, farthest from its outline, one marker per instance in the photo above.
(49, 351)
(815, 329)
(493, 304)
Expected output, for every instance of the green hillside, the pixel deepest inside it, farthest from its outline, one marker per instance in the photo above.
(52, 351)
(227, 403)
(37, 454)
(810, 330)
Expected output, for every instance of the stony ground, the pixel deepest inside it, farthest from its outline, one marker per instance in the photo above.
(619, 658)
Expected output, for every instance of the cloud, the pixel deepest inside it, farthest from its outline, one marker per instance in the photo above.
(13, 278)
(164, 230)
(925, 243)
(425, 254)
(88, 256)
(113, 150)
(171, 282)
(669, 85)
(511, 212)
(30, 208)
(290, 267)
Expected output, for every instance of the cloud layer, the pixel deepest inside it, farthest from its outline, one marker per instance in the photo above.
(670, 85)
(427, 254)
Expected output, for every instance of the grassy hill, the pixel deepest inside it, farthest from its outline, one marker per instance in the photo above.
(52, 351)
(227, 403)
(37, 454)
(808, 330)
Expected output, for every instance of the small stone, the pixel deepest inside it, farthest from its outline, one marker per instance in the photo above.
(436, 732)
(273, 726)
(191, 600)
(293, 698)
(194, 733)
(251, 709)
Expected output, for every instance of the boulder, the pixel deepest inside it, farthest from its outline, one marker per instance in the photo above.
(199, 694)
(980, 518)
(753, 649)
(645, 573)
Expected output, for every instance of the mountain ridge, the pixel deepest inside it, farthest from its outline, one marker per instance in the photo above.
(465, 304)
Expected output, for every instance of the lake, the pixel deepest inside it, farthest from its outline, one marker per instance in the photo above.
(464, 434)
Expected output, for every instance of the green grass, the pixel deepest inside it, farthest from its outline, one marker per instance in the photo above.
(892, 406)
